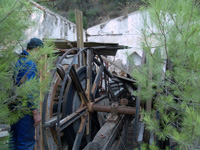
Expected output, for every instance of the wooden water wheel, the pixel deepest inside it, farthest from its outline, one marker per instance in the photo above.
(81, 101)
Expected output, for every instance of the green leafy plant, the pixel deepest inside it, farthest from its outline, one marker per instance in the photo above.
(172, 31)
(14, 20)
(14, 15)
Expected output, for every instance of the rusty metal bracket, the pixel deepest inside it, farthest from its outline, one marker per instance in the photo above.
(90, 105)
(114, 108)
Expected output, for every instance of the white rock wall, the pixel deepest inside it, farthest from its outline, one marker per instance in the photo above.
(50, 25)
(122, 30)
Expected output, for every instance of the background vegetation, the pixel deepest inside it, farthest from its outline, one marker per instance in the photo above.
(94, 11)
(172, 31)
(14, 20)
(14, 15)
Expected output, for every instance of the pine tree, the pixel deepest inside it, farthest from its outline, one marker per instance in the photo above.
(172, 32)
(14, 20)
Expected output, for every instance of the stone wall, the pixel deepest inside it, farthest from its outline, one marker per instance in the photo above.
(125, 30)
(50, 25)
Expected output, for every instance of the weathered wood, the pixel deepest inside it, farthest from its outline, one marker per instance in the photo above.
(51, 122)
(105, 69)
(141, 132)
(130, 89)
(124, 79)
(78, 85)
(79, 33)
(138, 100)
(114, 64)
(65, 122)
(89, 73)
(79, 135)
(43, 74)
(106, 135)
(96, 81)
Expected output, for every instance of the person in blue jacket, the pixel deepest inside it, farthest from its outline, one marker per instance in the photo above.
(23, 132)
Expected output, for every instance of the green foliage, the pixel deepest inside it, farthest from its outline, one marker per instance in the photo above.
(4, 143)
(172, 31)
(72, 18)
(14, 20)
(33, 87)
(149, 147)
(13, 16)
(52, 5)
(94, 11)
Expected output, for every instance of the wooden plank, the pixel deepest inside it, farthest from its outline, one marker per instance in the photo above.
(79, 27)
(125, 79)
(107, 134)
(96, 81)
(141, 132)
(43, 73)
(131, 91)
(126, 71)
(149, 102)
(138, 100)
(51, 122)
(101, 48)
(89, 73)
(79, 33)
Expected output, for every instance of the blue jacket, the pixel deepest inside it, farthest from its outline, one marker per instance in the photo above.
(25, 67)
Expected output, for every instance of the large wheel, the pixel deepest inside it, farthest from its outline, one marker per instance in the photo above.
(71, 103)
(50, 112)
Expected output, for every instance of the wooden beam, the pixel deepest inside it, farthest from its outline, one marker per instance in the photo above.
(106, 59)
(79, 33)
(43, 74)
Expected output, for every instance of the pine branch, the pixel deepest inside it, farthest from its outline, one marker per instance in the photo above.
(175, 24)
(13, 9)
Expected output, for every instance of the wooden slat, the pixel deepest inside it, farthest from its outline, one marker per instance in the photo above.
(102, 48)
(79, 33)
(114, 64)
(125, 79)
(51, 122)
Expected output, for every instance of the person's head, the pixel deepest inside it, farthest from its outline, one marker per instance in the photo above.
(34, 43)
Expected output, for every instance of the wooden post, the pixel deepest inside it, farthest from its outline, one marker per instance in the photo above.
(138, 104)
(79, 33)
(147, 134)
(42, 99)
(149, 102)
(83, 61)
(43, 74)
